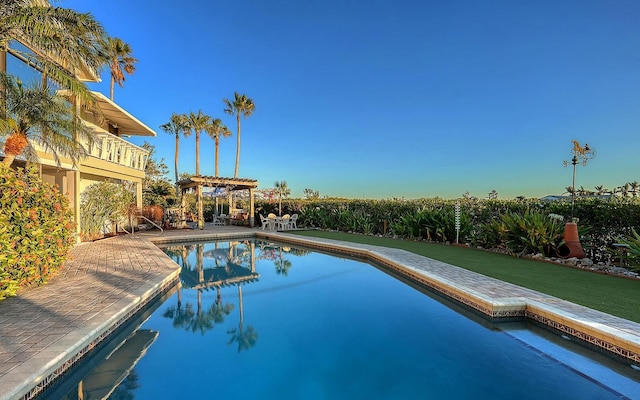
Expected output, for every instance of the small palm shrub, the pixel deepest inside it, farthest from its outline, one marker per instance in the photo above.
(36, 229)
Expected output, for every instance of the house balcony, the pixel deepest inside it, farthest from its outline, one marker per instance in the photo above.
(111, 148)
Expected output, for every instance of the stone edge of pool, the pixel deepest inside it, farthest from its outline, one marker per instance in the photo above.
(611, 334)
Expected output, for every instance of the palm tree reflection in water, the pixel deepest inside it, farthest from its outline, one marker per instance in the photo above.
(230, 267)
(246, 339)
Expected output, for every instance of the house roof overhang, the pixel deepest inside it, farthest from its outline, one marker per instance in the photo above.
(126, 123)
(117, 116)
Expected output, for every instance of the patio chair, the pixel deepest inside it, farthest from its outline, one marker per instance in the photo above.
(293, 222)
(219, 220)
(267, 222)
(282, 223)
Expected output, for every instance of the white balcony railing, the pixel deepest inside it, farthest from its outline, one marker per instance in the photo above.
(111, 148)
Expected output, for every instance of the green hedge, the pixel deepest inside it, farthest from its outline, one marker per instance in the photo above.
(36, 229)
(601, 221)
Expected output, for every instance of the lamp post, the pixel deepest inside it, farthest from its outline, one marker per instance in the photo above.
(572, 247)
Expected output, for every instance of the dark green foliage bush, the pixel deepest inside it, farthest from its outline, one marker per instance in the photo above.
(36, 229)
(601, 221)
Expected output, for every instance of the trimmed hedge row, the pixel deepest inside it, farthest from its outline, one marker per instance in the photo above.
(601, 221)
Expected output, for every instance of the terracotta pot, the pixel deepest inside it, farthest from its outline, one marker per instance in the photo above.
(571, 247)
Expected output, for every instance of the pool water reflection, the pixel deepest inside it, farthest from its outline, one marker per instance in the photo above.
(260, 320)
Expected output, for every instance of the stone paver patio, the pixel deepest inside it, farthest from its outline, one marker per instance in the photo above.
(44, 330)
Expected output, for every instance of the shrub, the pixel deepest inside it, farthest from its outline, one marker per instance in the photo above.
(36, 229)
(602, 221)
(103, 204)
(531, 233)
(633, 251)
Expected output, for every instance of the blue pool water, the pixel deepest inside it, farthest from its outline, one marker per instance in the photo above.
(291, 324)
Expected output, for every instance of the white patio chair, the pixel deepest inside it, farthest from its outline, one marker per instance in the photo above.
(267, 222)
(293, 222)
(219, 220)
(282, 223)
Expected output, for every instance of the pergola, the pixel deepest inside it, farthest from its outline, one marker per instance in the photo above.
(230, 184)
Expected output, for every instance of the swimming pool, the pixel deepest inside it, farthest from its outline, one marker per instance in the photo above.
(259, 320)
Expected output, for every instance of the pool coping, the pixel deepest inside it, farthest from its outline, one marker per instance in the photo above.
(493, 298)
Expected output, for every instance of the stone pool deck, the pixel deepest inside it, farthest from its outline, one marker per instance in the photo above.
(45, 330)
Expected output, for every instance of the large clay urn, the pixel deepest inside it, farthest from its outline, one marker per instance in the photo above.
(571, 247)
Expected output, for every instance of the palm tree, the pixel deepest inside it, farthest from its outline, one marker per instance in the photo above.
(74, 38)
(35, 114)
(635, 187)
(177, 125)
(215, 129)
(120, 61)
(198, 123)
(283, 191)
(599, 190)
(240, 106)
(624, 190)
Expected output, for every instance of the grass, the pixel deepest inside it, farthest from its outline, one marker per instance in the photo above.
(611, 294)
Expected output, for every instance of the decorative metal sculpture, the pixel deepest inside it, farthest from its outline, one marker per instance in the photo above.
(580, 155)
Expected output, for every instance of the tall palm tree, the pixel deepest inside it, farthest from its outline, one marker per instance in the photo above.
(34, 114)
(216, 129)
(73, 38)
(283, 191)
(178, 124)
(198, 123)
(120, 61)
(240, 106)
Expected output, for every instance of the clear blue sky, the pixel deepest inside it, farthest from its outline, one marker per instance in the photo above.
(382, 98)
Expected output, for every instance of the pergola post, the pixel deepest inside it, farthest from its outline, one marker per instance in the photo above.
(251, 209)
(200, 210)
(183, 205)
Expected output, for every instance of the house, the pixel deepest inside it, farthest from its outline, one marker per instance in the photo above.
(110, 158)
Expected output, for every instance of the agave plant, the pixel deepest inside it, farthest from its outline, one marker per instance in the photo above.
(633, 249)
(532, 232)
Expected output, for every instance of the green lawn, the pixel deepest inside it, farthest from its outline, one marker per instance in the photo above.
(613, 295)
